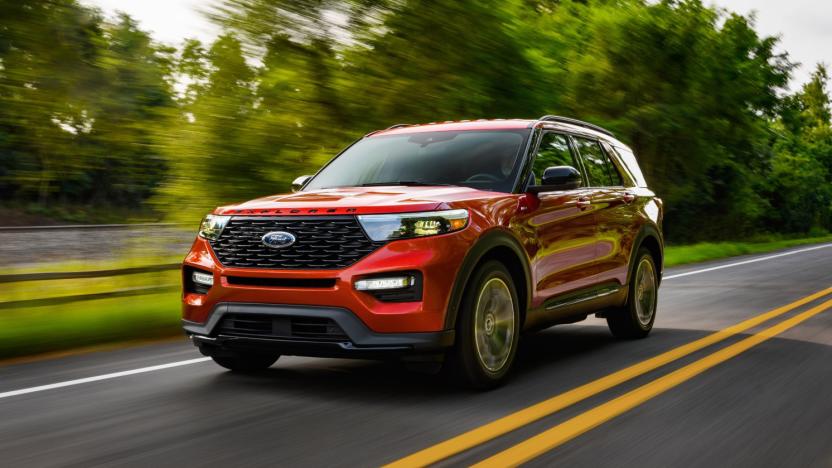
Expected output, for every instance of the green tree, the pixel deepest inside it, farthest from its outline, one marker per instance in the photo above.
(444, 60)
(686, 89)
(798, 186)
(205, 140)
(48, 52)
(79, 98)
(133, 99)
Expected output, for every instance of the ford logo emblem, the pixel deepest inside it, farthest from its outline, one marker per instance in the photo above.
(278, 239)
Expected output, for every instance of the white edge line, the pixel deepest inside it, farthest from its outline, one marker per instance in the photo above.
(96, 378)
(746, 262)
(169, 365)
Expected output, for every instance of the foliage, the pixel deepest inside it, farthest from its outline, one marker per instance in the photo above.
(798, 186)
(79, 103)
(690, 96)
(107, 116)
(35, 330)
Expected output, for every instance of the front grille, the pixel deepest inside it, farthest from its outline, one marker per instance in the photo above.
(322, 242)
(269, 326)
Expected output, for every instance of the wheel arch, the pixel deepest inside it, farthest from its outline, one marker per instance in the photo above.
(497, 245)
(649, 238)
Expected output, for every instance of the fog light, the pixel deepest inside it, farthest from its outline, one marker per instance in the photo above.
(204, 279)
(378, 284)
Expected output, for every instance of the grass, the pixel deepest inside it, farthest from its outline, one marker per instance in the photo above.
(27, 331)
(36, 330)
(71, 287)
(701, 252)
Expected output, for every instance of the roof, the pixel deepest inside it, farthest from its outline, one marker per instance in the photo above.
(555, 122)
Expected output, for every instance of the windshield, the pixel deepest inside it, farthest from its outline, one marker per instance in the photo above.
(485, 160)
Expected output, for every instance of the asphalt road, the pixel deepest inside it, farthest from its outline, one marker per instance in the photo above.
(768, 405)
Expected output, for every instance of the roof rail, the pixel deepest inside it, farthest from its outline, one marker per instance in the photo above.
(388, 128)
(580, 123)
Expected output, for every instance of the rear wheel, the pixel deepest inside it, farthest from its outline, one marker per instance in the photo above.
(488, 329)
(245, 362)
(635, 319)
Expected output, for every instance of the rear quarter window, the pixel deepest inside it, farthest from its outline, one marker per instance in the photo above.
(629, 159)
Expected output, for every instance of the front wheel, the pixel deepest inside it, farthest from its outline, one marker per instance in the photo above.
(488, 328)
(635, 319)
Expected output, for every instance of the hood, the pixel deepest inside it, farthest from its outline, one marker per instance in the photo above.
(356, 200)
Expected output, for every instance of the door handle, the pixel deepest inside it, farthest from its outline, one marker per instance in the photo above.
(628, 197)
(583, 203)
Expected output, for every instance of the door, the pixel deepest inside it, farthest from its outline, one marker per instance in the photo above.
(612, 204)
(560, 227)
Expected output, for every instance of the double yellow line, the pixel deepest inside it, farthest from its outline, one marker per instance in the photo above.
(584, 422)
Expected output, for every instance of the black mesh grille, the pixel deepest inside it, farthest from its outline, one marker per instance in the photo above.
(267, 326)
(325, 242)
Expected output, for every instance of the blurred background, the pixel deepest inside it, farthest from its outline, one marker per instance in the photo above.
(115, 141)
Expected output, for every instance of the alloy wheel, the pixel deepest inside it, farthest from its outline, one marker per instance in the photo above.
(494, 325)
(646, 291)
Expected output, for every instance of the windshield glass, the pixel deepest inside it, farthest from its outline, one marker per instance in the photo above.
(485, 160)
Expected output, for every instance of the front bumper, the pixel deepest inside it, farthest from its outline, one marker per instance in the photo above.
(437, 258)
(358, 340)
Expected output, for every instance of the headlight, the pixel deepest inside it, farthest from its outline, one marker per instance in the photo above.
(402, 226)
(212, 226)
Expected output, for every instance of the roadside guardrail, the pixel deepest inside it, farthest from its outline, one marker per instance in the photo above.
(19, 278)
(8, 279)
(58, 300)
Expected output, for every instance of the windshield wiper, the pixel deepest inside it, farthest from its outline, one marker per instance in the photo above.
(419, 183)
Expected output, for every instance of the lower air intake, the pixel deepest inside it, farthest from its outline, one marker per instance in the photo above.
(287, 328)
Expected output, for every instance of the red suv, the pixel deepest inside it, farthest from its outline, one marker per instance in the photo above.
(432, 243)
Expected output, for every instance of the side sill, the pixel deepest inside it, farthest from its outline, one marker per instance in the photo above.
(575, 306)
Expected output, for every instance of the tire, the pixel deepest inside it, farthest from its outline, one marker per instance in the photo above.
(636, 318)
(488, 329)
(245, 362)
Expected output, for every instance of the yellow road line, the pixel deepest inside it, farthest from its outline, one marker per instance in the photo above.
(540, 410)
(568, 430)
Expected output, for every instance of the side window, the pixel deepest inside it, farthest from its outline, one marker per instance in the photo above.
(553, 151)
(601, 171)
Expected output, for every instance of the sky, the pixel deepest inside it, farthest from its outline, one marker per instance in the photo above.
(804, 26)
(170, 21)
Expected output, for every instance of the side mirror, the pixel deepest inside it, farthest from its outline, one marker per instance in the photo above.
(558, 178)
(298, 183)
